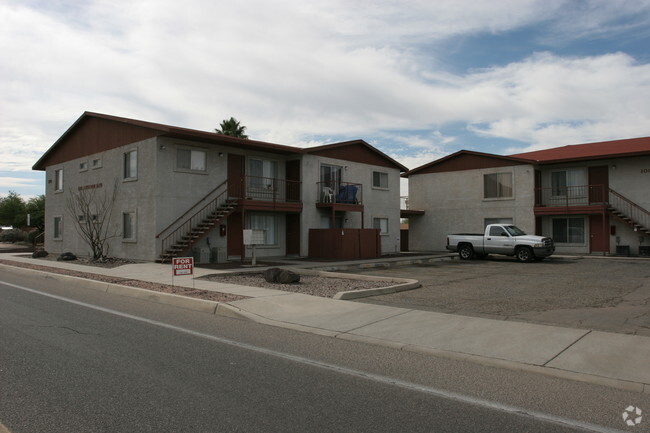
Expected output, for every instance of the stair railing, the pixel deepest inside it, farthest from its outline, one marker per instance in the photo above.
(191, 219)
(627, 207)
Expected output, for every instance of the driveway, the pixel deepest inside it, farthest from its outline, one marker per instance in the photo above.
(607, 294)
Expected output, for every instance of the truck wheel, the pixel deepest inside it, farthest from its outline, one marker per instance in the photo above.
(466, 252)
(524, 254)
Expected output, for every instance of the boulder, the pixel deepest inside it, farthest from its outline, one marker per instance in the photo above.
(281, 276)
(271, 274)
(67, 257)
(39, 254)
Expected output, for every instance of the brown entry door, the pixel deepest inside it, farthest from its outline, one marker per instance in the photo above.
(235, 175)
(598, 184)
(598, 235)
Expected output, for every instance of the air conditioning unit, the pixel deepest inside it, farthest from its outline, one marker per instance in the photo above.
(204, 255)
(219, 255)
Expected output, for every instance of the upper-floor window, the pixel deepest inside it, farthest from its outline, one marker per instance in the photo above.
(379, 179)
(83, 166)
(97, 163)
(58, 180)
(262, 172)
(497, 185)
(131, 164)
(190, 159)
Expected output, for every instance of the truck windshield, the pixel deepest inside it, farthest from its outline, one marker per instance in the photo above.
(514, 231)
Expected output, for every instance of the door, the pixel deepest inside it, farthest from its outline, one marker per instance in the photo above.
(498, 241)
(236, 175)
(293, 234)
(235, 234)
(293, 180)
(598, 234)
(598, 184)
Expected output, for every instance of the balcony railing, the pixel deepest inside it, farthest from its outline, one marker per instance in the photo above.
(269, 188)
(339, 192)
(580, 195)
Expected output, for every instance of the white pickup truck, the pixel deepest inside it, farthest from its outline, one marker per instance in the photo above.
(503, 239)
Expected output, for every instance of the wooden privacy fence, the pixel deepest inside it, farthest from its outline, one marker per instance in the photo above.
(346, 244)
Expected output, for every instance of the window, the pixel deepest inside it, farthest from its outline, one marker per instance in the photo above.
(128, 226)
(97, 163)
(58, 180)
(569, 230)
(262, 172)
(379, 180)
(497, 185)
(268, 223)
(58, 227)
(131, 164)
(330, 176)
(189, 159)
(83, 166)
(567, 182)
(381, 224)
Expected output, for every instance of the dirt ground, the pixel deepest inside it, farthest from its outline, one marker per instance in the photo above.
(606, 294)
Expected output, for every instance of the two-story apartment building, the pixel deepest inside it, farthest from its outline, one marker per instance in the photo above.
(590, 198)
(180, 191)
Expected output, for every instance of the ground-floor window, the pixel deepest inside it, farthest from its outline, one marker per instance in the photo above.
(569, 230)
(381, 224)
(266, 222)
(129, 226)
(58, 227)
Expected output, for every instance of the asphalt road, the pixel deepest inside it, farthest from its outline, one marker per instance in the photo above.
(87, 362)
(606, 294)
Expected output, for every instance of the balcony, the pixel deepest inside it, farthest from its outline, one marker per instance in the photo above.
(267, 193)
(339, 193)
(571, 199)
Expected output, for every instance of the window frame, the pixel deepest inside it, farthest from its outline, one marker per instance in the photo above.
(380, 175)
(257, 216)
(566, 238)
(96, 163)
(58, 180)
(499, 186)
(57, 227)
(191, 151)
(130, 168)
(134, 226)
(377, 221)
(83, 166)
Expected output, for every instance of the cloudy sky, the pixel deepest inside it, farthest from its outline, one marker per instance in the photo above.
(417, 79)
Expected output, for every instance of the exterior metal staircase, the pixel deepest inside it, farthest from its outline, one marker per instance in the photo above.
(629, 212)
(196, 223)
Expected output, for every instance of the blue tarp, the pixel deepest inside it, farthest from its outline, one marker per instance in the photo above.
(347, 194)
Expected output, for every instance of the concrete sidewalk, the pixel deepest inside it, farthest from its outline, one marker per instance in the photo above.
(609, 359)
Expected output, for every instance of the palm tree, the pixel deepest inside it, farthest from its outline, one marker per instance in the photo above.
(232, 128)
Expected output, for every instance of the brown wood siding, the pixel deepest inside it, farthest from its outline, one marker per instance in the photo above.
(345, 244)
(95, 135)
(354, 153)
(468, 162)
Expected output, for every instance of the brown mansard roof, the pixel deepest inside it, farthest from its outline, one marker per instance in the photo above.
(95, 132)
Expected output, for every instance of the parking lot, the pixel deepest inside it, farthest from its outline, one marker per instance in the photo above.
(606, 294)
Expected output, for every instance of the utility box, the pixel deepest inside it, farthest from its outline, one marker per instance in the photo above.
(203, 255)
(219, 255)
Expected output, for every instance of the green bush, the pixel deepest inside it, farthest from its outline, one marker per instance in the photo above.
(12, 236)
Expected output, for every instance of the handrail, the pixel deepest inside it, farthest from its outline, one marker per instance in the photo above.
(632, 210)
(193, 221)
(34, 241)
(193, 206)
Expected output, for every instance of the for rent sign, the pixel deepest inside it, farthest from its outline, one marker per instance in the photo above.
(183, 265)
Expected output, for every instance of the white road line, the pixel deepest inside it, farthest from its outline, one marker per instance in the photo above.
(513, 410)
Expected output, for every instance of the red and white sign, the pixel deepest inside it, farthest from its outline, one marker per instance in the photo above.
(183, 265)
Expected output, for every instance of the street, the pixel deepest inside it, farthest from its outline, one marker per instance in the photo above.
(77, 360)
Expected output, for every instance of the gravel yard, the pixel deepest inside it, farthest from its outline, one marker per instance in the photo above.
(313, 285)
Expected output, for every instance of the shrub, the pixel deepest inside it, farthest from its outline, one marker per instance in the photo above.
(13, 235)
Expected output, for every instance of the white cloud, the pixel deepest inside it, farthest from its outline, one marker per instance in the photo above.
(298, 72)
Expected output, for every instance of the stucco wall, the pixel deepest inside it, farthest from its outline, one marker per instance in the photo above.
(378, 203)
(453, 203)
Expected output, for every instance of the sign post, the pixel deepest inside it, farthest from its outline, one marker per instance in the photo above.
(182, 266)
(254, 237)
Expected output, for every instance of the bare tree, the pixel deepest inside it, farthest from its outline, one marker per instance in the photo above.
(91, 209)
